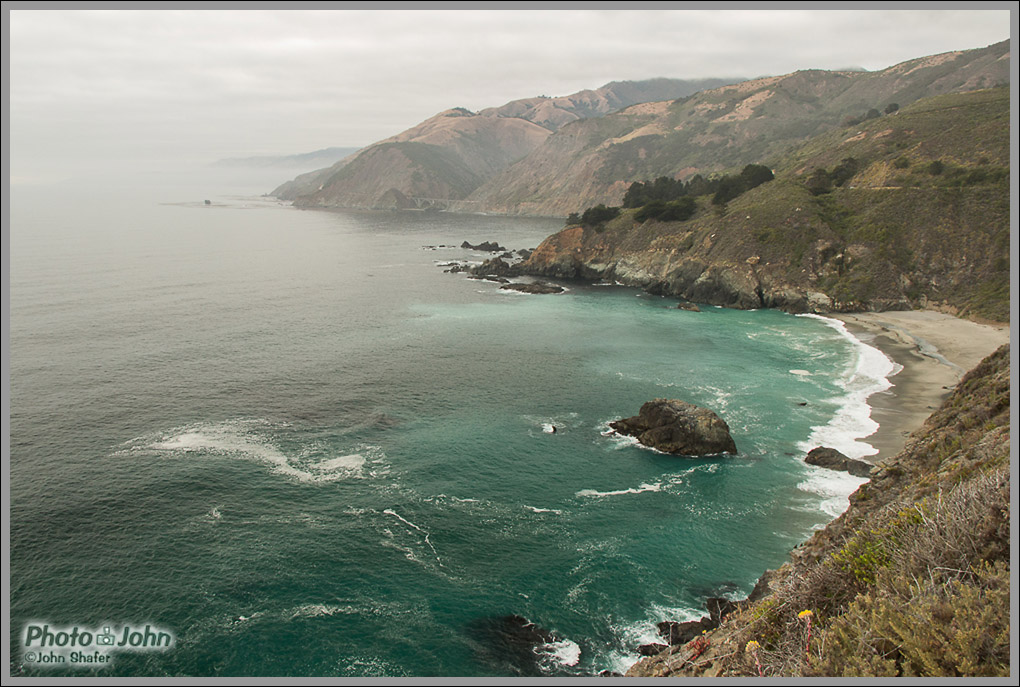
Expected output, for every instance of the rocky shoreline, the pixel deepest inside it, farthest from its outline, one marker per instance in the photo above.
(931, 349)
(687, 653)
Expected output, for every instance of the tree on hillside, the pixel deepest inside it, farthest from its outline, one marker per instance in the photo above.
(891, 107)
(729, 188)
(599, 215)
(755, 175)
(819, 182)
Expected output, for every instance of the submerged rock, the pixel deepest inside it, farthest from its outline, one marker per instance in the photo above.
(687, 305)
(834, 460)
(678, 427)
(511, 644)
(536, 287)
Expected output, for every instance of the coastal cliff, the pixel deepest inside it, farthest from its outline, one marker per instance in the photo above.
(912, 580)
(917, 217)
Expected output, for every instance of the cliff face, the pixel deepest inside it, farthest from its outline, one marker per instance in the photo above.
(450, 154)
(593, 161)
(912, 580)
(921, 220)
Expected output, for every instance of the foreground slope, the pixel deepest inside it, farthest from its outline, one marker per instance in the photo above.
(921, 220)
(593, 161)
(912, 580)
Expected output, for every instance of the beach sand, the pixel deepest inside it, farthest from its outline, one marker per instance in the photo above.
(935, 351)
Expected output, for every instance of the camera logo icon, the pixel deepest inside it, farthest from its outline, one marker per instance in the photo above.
(106, 638)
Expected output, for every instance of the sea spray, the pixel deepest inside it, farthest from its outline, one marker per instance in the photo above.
(867, 373)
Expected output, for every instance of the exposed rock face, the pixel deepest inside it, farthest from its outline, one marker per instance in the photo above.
(834, 460)
(490, 246)
(534, 288)
(496, 267)
(678, 427)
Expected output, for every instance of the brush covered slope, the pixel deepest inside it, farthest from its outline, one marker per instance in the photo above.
(912, 580)
(908, 210)
(593, 161)
(449, 155)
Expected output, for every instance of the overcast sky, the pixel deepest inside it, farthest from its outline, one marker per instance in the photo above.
(151, 87)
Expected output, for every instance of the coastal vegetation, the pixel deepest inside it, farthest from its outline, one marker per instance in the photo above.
(909, 210)
(912, 580)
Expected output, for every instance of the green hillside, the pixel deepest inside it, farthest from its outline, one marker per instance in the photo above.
(903, 211)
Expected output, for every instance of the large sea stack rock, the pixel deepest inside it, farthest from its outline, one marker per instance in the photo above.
(678, 427)
(834, 460)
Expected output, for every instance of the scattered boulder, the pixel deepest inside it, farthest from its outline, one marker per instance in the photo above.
(687, 305)
(678, 427)
(525, 253)
(489, 246)
(834, 460)
(651, 649)
(534, 287)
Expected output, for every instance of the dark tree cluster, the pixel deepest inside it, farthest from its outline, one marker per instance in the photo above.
(822, 181)
(854, 120)
(670, 200)
(599, 215)
(673, 211)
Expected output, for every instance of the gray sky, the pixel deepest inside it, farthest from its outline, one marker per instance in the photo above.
(153, 87)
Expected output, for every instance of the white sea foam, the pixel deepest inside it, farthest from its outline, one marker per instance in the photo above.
(803, 373)
(353, 462)
(643, 632)
(564, 652)
(544, 510)
(248, 440)
(591, 493)
(867, 374)
(834, 488)
(390, 511)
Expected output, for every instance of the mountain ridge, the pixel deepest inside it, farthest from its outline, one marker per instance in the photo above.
(472, 147)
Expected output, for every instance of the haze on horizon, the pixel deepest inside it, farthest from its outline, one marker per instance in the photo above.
(92, 91)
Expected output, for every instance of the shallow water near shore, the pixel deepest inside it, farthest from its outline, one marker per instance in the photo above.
(291, 439)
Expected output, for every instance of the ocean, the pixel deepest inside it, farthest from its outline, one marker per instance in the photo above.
(291, 441)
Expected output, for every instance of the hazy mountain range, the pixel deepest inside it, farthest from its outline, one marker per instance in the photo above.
(552, 156)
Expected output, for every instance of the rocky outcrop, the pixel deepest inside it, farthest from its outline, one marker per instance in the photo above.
(489, 246)
(834, 460)
(678, 427)
(538, 288)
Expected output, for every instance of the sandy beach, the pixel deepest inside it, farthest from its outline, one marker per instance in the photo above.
(935, 351)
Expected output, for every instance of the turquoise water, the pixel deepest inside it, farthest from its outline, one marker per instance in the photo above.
(290, 439)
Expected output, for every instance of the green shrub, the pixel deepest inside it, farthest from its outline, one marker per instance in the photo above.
(917, 626)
